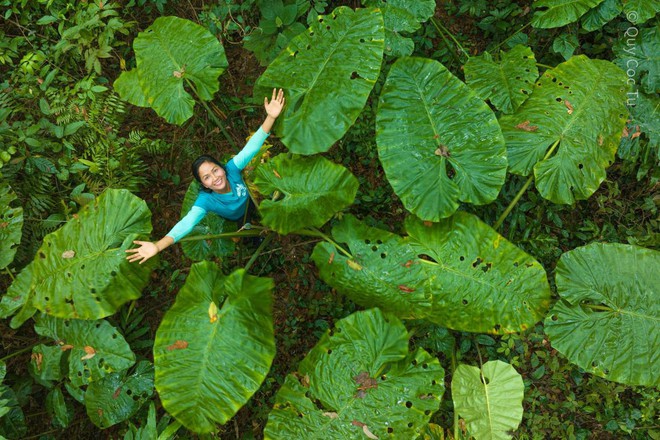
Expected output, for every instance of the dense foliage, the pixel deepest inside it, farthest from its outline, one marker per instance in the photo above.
(459, 232)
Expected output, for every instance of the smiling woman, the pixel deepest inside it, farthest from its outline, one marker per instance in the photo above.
(223, 190)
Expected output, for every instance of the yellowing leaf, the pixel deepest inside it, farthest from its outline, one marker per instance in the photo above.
(213, 312)
(353, 264)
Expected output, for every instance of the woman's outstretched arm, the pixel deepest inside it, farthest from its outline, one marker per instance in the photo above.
(273, 110)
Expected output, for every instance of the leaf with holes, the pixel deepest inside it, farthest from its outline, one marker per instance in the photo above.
(557, 13)
(637, 53)
(226, 359)
(462, 274)
(402, 16)
(597, 17)
(439, 143)
(211, 224)
(170, 54)
(327, 73)
(580, 110)
(313, 189)
(118, 396)
(506, 84)
(607, 319)
(11, 223)
(489, 399)
(404, 388)
(98, 279)
(112, 352)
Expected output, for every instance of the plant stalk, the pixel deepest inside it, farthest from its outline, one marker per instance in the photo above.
(316, 233)
(11, 275)
(217, 121)
(443, 30)
(16, 353)
(516, 199)
(256, 254)
(244, 233)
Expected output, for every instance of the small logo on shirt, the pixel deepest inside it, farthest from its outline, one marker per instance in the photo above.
(241, 190)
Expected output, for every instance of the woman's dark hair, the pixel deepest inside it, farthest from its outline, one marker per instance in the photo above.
(198, 163)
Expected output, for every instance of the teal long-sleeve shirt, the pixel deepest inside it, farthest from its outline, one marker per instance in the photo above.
(230, 205)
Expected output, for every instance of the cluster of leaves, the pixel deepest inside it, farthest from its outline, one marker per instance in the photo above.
(442, 148)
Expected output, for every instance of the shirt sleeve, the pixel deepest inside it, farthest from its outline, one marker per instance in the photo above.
(250, 149)
(187, 223)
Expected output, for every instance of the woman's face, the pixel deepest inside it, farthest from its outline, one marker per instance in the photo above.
(213, 177)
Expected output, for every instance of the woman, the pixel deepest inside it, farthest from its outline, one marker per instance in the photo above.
(222, 191)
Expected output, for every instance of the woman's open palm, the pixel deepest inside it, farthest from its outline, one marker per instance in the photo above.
(276, 104)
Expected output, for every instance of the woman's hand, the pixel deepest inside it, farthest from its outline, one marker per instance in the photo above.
(276, 104)
(146, 250)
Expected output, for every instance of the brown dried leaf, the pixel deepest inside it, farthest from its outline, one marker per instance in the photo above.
(637, 133)
(526, 127)
(90, 353)
(65, 347)
(100, 412)
(116, 393)
(305, 381)
(364, 383)
(69, 254)
(426, 396)
(569, 107)
(332, 258)
(406, 288)
(442, 150)
(332, 415)
(38, 359)
(356, 423)
(408, 263)
(178, 345)
(277, 174)
(625, 132)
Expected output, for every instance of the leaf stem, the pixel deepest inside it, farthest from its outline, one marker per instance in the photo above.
(256, 254)
(544, 65)
(598, 307)
(246, 233)
(10, 274)
(512, 35)
(16, 353)
(443, 30)
(217, 121)
(316, 233)
(516, 199)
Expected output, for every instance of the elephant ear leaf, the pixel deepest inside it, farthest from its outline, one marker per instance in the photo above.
(11, 223)
(506, 84)
(95, 348)
(568, 131)
(607, 319)
(638, 50)
(211, 224)
(597, 17)
(171, 53)
(327, 72)
(557, 13)
(359, 381)
(210, 352)
(311, 190)
(402, 16)
(489, 399)
(81, 270)
(439, 143)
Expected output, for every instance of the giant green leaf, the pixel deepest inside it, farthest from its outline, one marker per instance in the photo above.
(46, 364)
(11, 222)
(439, 143)
(637, 53)
(605, 12)
(458, 273)
(557, 13)
(640, 11)
(312, 190)
(359, 380)
(211, 358)
(211, 224)
(95, 348)
(568, 131)
(608, 319)
(118, 396)
(489, 399)
(402, 16)
(327, 72)
(506, 84)
(81, 271)
(170, 54)
(127, 85)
